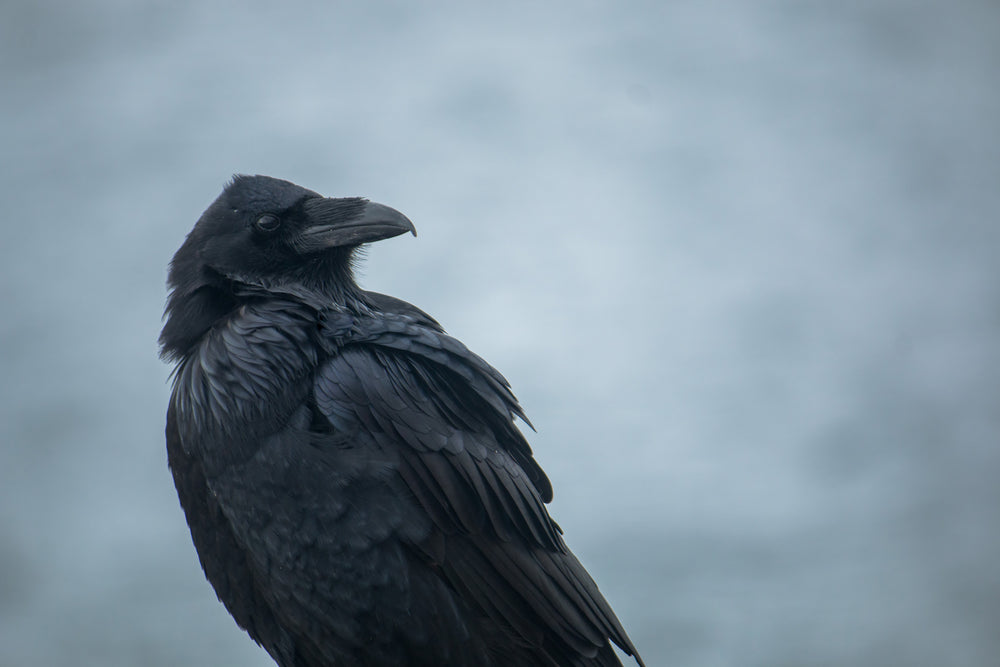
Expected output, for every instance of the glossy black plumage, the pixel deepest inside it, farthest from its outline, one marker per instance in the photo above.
(354, 482)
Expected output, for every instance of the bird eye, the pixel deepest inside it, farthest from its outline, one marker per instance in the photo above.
(268, 222)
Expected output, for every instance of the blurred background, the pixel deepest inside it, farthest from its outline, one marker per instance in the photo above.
(739, 261)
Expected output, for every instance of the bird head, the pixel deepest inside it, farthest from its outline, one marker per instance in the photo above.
(263, 231)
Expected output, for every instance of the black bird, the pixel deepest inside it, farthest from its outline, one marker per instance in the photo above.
(354, 482)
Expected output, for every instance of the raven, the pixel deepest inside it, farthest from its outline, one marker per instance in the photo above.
(353, 478)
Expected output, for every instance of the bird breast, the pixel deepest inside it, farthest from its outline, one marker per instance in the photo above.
(243, 379)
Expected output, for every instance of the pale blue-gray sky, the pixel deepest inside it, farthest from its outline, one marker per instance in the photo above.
(738, 260)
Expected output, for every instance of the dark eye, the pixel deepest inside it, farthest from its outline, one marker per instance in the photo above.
(268, 222)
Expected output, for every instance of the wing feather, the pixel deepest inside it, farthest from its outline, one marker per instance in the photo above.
(447, 418)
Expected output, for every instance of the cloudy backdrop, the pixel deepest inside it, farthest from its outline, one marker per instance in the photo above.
(738, 259)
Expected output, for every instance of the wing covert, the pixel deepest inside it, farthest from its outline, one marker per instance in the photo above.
(461, 456)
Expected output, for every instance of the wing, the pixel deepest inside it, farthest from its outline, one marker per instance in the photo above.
(446, 418)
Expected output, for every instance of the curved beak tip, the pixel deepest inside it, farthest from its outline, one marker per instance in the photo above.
(382, 215)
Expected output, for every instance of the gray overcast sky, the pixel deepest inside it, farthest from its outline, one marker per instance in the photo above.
(738, 260)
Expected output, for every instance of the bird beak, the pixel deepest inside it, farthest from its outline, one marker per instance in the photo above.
(336, 222)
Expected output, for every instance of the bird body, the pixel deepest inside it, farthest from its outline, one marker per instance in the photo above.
(353, 478)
